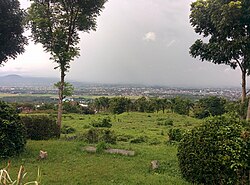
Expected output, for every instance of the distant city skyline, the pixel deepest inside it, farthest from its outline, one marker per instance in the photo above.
(137, 42)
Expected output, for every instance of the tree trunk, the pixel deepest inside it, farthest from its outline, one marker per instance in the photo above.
(243, 85)
(60, 101)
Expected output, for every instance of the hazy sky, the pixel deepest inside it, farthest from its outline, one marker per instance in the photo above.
(137, 41)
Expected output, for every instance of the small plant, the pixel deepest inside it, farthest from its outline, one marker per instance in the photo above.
(169, 122)
(175, 134)
(5, 178)
(124, 138)
(67, 129)
(140, 139)
(96, 135)
(105, 122)
(101, 146)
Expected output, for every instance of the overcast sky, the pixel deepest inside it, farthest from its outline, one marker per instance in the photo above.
(138, 42)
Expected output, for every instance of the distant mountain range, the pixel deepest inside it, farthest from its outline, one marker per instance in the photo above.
(22, 81)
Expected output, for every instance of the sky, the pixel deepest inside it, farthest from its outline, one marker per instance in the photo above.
(136, 42)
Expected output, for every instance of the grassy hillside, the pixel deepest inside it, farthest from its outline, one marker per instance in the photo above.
(67, 163)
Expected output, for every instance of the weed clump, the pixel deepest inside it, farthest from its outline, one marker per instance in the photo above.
(105, 122)
(175, 134)
(67, 129)
(96, 135)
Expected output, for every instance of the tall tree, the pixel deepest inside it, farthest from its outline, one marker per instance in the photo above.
(226, 25)
(11, 29)
(56, 25)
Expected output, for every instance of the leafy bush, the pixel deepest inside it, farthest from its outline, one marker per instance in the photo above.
(140, 139)
(216, 152)
(12, 132)
(67, 129)
(96, 135)
(100, 147)
(124, 138)
(41, 127)
(167, 122)
(175, 134)
(105, 122)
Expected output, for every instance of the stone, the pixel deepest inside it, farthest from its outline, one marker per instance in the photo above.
(43, 154)
(119, 151)
(154, 164)
(90, 149)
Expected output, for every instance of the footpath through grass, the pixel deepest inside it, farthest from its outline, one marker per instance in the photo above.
(68, 164)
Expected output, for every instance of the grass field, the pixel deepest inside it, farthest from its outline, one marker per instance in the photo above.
(67, 163)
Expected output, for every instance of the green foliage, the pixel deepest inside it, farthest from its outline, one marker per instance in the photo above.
(12, 132)
(140, 139)
(56, 25)
(119, 105)
(68, 88)
(210, 106)
(181, 105)
(175, 134)
(165, 122)
(72, 107)
(146, 105)
(226, 25)
(41, 127)
(215, 153)
(67, 129)
(11, 30)
(46, 106)
(96, 135)
(238, 108)
(105, 122)
(101, 146)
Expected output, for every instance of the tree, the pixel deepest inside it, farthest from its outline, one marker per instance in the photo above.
(212, 105)
(226, 24)
(11, 29)
(181, 105)
(56, 25)
(119, 105)
(68, 88)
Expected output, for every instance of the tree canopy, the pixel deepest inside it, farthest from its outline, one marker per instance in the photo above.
(11, 29)
(226, 25)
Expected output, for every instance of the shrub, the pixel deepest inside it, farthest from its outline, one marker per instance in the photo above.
(100, 147)
(215, 153)
(140, 139)
(105, 122)
(124, 138)
(96, 135)
(169, 122)
(41, 127)
(175, 134)
(67, 129)
(12, 132)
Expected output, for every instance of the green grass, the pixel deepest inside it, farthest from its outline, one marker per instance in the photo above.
(68, 164)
